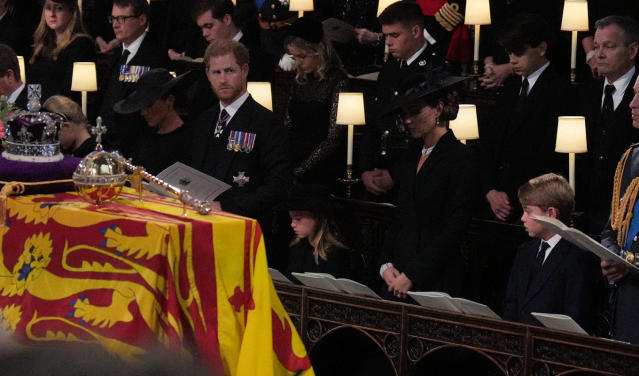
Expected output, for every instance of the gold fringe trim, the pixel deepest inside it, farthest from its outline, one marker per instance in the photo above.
(621, 210)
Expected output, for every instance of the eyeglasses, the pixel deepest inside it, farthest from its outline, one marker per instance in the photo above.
(120, 19)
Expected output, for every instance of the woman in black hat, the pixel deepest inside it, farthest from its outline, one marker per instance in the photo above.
(436, 185)
(59, 40)
(167, 139)
(318, 246)
(312, 108)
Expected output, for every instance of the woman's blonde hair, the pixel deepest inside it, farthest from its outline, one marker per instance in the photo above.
(325, 235)
(67, 107)
(326, 54)
(45, 42)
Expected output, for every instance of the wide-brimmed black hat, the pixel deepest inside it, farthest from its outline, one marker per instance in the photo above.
(307, 28)
(310, 197)
(70, 3)
(422, 85)
(150, 87)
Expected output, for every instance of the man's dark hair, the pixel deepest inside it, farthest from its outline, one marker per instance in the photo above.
(9, 60)
(528, 30)
(139, 7)
(218, 9)
(628, 25)
(405, 13)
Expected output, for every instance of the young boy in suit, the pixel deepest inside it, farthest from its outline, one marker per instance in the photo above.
(551, 275)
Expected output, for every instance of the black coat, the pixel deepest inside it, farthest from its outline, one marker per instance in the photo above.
(338, 261)
(626, 305)
(519, 143)
(267, 165)
(569, 283)
(433, 212)
(605, 147)
(122, 130)
(55, 75)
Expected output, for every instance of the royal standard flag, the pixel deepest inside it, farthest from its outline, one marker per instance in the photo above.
(132, 274)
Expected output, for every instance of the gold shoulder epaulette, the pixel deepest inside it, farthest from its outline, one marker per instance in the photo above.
(449, 16)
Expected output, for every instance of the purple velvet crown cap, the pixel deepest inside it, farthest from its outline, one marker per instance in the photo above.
(32, 137)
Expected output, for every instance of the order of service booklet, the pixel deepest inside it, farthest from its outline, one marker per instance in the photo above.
(582, 240)
(559, 322)
(328, 282)
(444, 302)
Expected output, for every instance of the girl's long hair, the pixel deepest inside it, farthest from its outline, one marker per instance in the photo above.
(326, 235)
(45, 42)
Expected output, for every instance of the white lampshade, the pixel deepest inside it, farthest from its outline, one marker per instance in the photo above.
(300, 5)
(477, 12)
(350, 109)
(383, 4)
(571, 135)
(23, 76)
(261, 92)
(575, 16)
(465, 125)
(84, 77)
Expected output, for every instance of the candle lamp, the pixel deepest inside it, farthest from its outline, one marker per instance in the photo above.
(261, 92)
(84, 80)
(23, 76)
(300, 6)
(571, 139)
(350, 112)
(574, 19)
(477, 13)
(465, 125)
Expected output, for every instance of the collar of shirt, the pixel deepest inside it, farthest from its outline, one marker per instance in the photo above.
(238, 36)
(416, 54)
(532, 78)
(552, 242)
(620, 87)
(133, 47)
(429, 37)
(4, 14)
(232, 108)
(14, 96)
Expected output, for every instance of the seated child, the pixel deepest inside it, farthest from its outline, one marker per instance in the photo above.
(551, 275)
(318, 245)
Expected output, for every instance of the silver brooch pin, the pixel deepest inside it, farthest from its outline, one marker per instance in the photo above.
(241, 179)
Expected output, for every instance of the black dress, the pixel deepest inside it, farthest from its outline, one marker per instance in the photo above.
(155, 151)
(55, 74)
(315, 139)
(338, 262)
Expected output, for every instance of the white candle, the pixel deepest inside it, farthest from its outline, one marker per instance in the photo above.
(84, 103)
(476, 47)
(573, 53)
(349, 148)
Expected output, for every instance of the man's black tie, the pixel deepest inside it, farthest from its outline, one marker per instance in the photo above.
(125, 55)
(523, 91)
(608, 105)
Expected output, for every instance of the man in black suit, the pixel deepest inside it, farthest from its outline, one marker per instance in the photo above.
(138, 55)
(519, 144)
(217, 20)
(385, 137)
(236, 141)
(10, 84)
(551, 275)
(605, 106)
